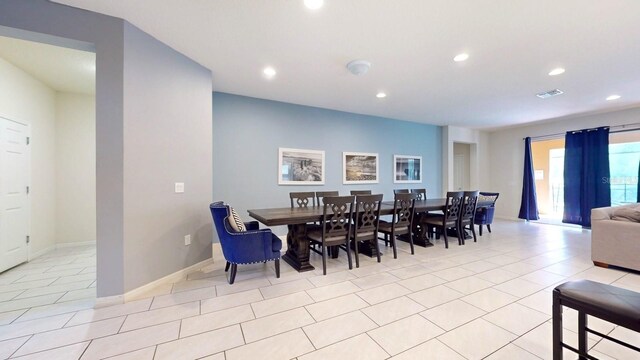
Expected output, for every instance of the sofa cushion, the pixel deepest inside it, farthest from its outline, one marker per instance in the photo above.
(626, 214)
(235, 221)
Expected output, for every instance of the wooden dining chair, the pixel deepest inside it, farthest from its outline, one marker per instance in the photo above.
(360, 192)
(421, 194)
(367, 221)
(302, 199)
(335, 227)
(400, 191)
(401, 223)
(467, 214)
(449, 218)
(322, 194)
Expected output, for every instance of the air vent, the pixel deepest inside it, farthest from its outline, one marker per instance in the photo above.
(548, 94)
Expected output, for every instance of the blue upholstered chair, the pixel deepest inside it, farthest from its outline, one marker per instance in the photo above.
(485, 210)
(247, 247)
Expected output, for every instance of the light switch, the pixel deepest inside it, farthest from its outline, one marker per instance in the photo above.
(187, 240)
(179, 188)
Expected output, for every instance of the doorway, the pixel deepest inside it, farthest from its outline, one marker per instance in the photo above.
(48, 187)
(461, 166)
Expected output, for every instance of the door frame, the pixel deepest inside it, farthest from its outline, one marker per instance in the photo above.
(28, 153)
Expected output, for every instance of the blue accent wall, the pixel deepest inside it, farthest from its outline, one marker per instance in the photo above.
(247, 133)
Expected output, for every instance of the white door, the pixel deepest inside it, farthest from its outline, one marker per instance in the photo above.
(14, 202)
(458, 172)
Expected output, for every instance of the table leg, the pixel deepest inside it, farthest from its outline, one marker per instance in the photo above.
(297, 254)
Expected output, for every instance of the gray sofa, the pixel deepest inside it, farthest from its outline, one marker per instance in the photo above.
(614, 242)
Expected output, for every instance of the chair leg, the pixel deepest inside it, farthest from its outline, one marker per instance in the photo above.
(348, 253)
(489, 227)
(226, 267)
(355, 241)
(480, 226)
(446, 238)
(411, 242)
(324, 260)
(460, 234)
(232, 275)
(473, 231)
(277, 263)
(377, 249)
(393, 244)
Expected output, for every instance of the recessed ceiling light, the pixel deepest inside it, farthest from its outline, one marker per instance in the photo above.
(314, 4)
(613, 97)
(556, 71)
(381, 95)
(461, 57)
(269, 72)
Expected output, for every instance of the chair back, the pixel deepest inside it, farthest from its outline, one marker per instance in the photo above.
(453, 205)
(360, 192)
(368, 212)
(302, 199)
(469, 203)
(219, 211)
(421, 194)
(403, 208)
(400, 191)
(488, 199)
(322, 194)
(337, 215)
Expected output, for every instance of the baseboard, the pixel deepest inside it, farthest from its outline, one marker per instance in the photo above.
(72, 244)
(171, 278)
(508, 218)
(109, 301)
(37, 254)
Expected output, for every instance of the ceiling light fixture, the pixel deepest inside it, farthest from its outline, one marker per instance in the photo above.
(613, 97)
(381, 95)
(556, 71)
(313, 4)
(269, 72)
(358, 67)
(461, 57)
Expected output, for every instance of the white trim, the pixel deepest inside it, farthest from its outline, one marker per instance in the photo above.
(135, 293)
(509, 218)
(37, 254)
(109, 301)
(73, 244)
(169, 279)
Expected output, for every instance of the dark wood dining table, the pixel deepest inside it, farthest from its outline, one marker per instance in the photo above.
(296, 219)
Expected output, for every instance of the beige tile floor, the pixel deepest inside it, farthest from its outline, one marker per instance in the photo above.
(484, 300)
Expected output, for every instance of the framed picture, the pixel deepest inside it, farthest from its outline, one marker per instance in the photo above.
(300, 167)
(407, 169)
(359, 168)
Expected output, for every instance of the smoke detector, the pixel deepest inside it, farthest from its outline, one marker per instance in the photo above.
(358, 67)
(550, 93)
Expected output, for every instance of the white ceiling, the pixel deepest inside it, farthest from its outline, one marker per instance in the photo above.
(62, 69)
(513, 44)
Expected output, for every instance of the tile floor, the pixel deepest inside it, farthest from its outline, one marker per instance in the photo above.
(484, 300)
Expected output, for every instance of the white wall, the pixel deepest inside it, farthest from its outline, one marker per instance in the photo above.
(25, 99)
(506, 152)
(75, 168)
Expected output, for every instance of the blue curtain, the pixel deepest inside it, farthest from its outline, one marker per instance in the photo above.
(639, 181)
(529, 202)
(586, 174)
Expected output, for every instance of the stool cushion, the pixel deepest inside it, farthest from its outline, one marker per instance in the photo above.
(615, 301)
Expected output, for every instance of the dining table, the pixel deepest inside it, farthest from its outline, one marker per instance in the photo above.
(297, 218)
